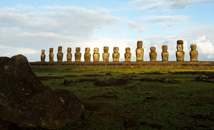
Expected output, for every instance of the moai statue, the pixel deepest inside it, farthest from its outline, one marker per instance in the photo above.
(87, 54)
(69, 55)
(116, 54)
(51, 55)
(77, 54)
(165, 53)
(193, 53)
(59, 54)
(96, 55)
(139, 51)
(43, 56)
(128, 54)
(106, 54)
(180, 53)
(153, 54)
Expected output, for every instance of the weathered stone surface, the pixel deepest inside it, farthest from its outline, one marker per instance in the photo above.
(69, 55)
(27, 103)
(128, 54)
(153, 54)
(43, 56)
(77, 55)
(165, 54)
(180, 53)
(106, 54)
(59, 54)
(193, 53)
(51, 55)
(96, 55)
(87, 54)
(116, 54)
(139, 51)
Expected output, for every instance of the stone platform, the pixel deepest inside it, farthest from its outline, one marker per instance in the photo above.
(201, 65)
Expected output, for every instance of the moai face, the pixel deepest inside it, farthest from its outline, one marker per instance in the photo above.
(193, 47)
(106, 49)
(128, 49)
(153, 49)
(77, 49)
(87, 50)
(69, 50)
(96, 50)
(43, 51)
(180, 47)
(164, 48)
(139, 44)
(51, 50)
(116, 49)
(60, 49)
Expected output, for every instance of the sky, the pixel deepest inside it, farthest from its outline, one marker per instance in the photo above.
(28, 26)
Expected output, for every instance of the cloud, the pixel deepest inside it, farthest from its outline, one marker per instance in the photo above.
(136, 26)
(55, 26)
(167, 21)
(10, 51)
(166, 4)
(205, 46)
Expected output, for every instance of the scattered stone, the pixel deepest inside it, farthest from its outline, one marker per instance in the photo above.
(205, 78)
(27, 103)
(108, 74)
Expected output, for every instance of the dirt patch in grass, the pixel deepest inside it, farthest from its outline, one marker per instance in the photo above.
(92, 75)
(50, 77)
(112, 82)
(103, 97)
(165, 80)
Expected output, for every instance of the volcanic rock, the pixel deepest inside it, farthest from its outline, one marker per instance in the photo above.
(27, 103)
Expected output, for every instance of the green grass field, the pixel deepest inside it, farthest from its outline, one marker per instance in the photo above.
(123, 100)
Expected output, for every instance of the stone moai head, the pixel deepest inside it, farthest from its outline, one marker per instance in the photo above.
(116, 49)
(106, 49)
(60, 49)
(164, 48)
(128, 49)
(51, 50)
(180, 45)
(78, 49)
(69, 50)
(193, 47)
(139, 44)
(96, 50)
(153, 49)
(87, 50)
(43, 51)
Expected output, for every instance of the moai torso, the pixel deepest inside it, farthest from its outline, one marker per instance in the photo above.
(153, 54)
(78, 54)
(193, 53)
(139, 51)
(51, 55)
(180, 53)
(165, 54)
(69, 55)
(59, 54)
(106, 54)
(96, 55)
(128, 54)
(116, 54)
(43, 56)
(87, 54)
